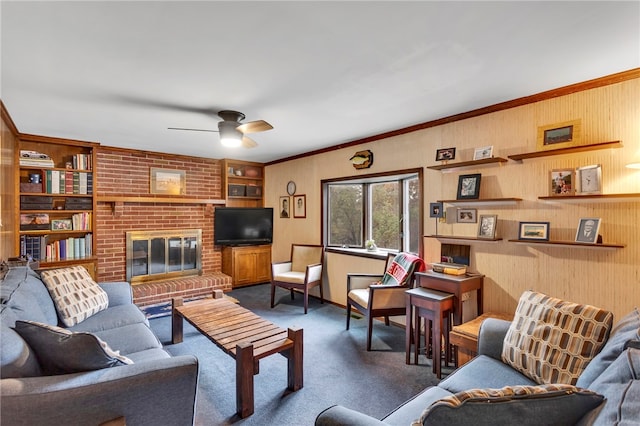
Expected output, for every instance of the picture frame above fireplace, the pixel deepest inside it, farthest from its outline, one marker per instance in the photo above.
(168, 181)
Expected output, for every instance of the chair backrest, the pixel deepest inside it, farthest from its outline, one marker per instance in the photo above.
(305, 254)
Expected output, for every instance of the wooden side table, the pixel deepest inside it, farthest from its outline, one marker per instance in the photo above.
(456, 284)
(432, 306)
(465, 336)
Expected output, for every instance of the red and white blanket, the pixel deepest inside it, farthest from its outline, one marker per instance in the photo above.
(402, 268)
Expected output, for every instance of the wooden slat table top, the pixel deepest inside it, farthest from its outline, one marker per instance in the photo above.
(227, 324)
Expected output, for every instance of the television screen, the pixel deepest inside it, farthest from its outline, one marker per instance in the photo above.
(235, 226)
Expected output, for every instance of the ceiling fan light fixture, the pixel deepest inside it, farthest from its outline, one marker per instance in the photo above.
(229, 135)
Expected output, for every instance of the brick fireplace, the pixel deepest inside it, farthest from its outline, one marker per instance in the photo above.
(126, 205)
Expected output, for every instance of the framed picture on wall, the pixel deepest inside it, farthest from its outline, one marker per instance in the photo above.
(534, 231)
(588, 229)
(468, 186)
(561, 182)
(466, 215)
(487, 226)
(299, 206)
(445, 154)
(483, 153)
(285, 205)
(435, 210)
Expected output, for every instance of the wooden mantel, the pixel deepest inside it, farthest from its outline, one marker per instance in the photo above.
(118, 201)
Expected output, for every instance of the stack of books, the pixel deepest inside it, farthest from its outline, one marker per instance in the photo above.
(35, 159)
(449, 268)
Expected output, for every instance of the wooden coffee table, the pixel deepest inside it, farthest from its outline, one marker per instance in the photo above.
(244, 336)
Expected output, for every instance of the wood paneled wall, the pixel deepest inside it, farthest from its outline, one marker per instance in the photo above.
(605, 278)
(8, 142)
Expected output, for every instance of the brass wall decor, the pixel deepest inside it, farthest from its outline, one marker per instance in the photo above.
(362, 159)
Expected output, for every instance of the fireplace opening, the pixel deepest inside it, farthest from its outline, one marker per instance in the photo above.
(162, 254)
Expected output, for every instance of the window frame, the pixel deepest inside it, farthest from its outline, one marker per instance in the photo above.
(396, 175)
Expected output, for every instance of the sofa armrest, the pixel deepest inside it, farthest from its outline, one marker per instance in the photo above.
(491, 337)
(342, 416)
(162, 391)
(119, 293)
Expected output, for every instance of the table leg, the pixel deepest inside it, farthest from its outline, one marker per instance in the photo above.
(244, 379)
(436, 344)
(294, 360)
(176, 321)
(407, 333)
(417, 324)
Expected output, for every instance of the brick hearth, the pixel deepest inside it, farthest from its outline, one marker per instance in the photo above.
(162, 291)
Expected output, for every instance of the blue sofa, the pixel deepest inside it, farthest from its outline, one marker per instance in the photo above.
(612, 374)
(155, 389)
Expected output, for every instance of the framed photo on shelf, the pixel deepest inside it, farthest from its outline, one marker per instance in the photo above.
(168, 181)
(559, 135)
(538, 231)
(588, 229)
(61, 225)
(468, 187)
(467, 216)
(435, 210)
(487, 226)
(483, 152)
(561, 182)
(285, 205)
(589, 179)
(445, 154)
(299, 206)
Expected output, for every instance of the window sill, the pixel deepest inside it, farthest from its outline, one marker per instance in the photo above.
(380, 254)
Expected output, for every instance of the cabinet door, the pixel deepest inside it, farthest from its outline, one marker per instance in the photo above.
(244, 269)
(263, 265)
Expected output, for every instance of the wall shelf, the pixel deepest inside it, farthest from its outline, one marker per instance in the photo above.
(570, 150)
(491, 160)
(160, 199)
(609, 246)
(593, 198)
(453, 237)
(483, 202)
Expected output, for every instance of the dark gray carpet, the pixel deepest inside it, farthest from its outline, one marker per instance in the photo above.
(337, 368)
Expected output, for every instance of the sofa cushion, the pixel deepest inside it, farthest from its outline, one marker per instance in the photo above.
(620, 384)
(130, 338)
(61, 351)
(626, 332)
(551, 340)
(75, 294)
(522, 405)
(484, 372)
(113, 317)
(26, 295)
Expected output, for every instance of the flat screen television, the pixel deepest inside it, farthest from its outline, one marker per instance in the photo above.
(236, 226)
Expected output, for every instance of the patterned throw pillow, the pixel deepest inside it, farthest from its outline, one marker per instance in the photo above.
(75, 294)
(521, 405)
(552, 341)
(61, 351)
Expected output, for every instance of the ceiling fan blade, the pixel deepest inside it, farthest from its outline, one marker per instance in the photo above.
(255, 126)
(247, 142)
(193, 130)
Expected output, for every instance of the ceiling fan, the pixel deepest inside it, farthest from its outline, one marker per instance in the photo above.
(232, 132)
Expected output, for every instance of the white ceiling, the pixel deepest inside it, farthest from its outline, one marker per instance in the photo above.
(322, 73)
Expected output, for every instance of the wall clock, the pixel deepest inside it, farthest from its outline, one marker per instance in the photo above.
(291, 187)
(590, 179)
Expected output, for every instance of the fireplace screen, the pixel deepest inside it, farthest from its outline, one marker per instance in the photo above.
(154, 255)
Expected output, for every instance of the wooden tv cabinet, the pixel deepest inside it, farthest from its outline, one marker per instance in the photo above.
(247, 264)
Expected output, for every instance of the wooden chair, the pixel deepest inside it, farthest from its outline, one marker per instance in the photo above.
(376, 300)
(302, 272)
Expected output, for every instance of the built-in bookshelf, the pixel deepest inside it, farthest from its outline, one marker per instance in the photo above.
(56, 216)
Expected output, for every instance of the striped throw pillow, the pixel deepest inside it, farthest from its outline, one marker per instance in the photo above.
(75, 294)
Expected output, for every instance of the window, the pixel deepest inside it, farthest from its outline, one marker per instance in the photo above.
(385, 208)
